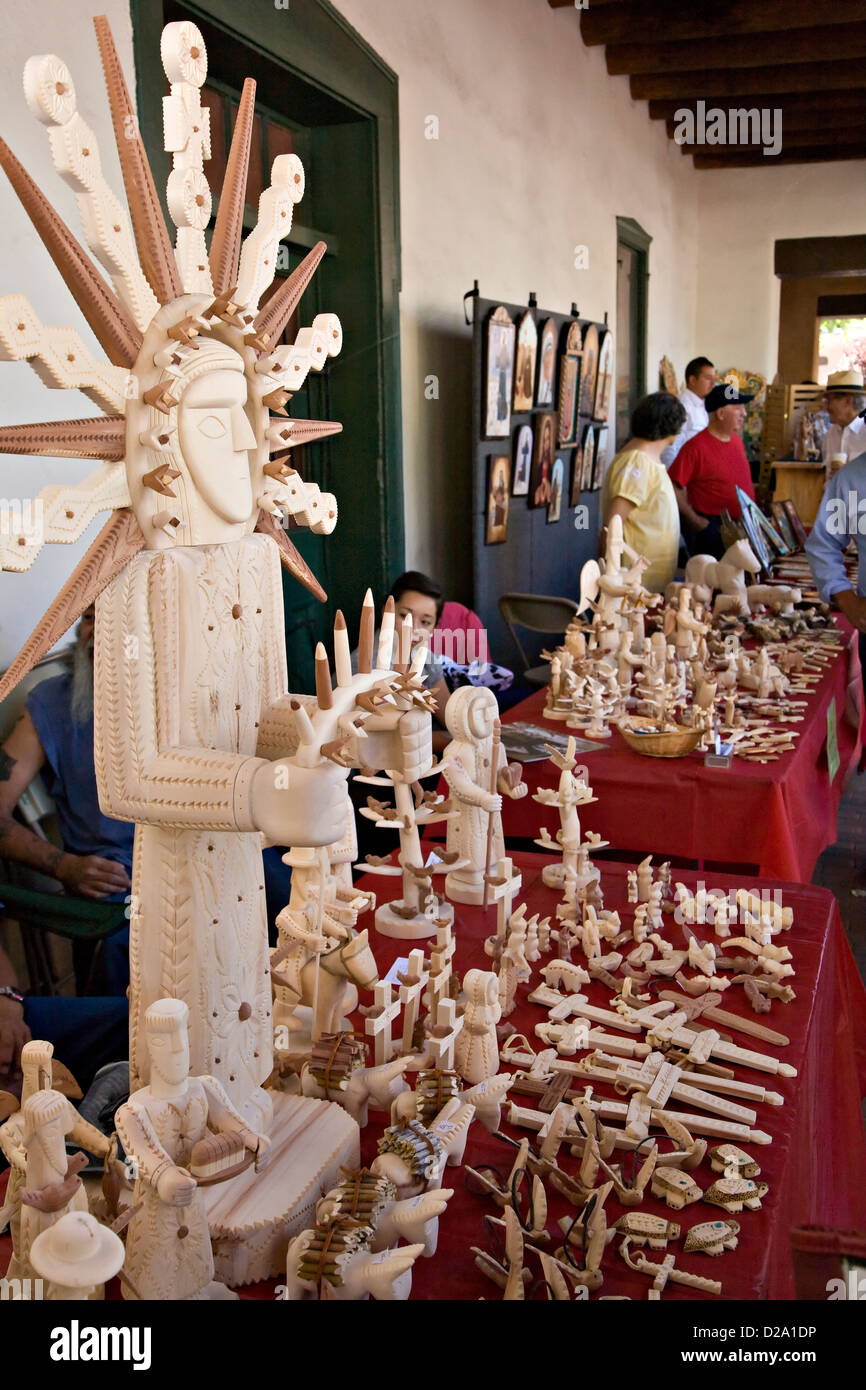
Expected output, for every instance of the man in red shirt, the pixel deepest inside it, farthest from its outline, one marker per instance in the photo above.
(708, 470)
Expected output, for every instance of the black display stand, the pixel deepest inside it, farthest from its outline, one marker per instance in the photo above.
(538, 557)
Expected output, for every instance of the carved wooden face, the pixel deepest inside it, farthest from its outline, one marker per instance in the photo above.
(481, 714)
(169, 1054)
(215, 437)
(36, 1065)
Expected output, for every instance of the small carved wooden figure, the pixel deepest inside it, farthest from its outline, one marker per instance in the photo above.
(470, 715)
(168, 1249)
(53, 1186)
(477, 1047)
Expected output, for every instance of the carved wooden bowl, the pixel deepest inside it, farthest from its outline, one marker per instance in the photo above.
(673, 743)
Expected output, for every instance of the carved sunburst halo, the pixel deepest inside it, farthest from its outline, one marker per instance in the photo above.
(169, 316)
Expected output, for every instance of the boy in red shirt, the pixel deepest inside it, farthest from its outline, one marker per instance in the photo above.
(708, 470)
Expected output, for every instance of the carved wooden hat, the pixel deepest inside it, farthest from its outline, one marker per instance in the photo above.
(152, 314)
(77, 1251)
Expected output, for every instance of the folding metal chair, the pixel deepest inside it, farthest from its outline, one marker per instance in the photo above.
(536, 613)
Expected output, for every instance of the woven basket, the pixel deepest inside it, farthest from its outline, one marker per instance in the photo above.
(673, 743)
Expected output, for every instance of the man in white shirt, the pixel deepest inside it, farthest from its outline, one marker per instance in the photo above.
(845, 398)
(700, 380)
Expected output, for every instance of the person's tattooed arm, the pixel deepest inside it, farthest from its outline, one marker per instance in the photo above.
(21, 757)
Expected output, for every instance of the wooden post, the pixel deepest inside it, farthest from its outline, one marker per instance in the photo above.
(410, 995)
(494, 767)
(444, 1035)
(378, 1023)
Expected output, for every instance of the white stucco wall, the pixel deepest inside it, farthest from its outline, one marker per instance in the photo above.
(742, 213)
(52, 26)
(538, 151)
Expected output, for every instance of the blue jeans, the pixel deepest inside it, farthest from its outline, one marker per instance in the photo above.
(86, 1033)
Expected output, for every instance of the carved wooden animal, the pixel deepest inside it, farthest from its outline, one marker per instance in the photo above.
(365, 1087)
(372, 1201)
(337, 1262)
(326, 980)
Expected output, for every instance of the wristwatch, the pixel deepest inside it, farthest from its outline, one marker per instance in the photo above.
(7, 992)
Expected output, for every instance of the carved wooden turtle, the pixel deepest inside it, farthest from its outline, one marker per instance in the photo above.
(712, 1237)
(646, 1229)
(677, 1188)
(732, 1161)
(735, 1193)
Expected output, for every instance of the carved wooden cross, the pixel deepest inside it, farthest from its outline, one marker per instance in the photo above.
(378, 1022)
(411, 988)
(568, 1037)
(444, 1035)
(441, 956)
(505, 899)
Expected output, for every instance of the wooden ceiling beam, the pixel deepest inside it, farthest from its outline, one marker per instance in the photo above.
(825, 44)
(626, 22)
(797, 111)
(734, 85)
(792, 140)
(818, 154)
(808, 256)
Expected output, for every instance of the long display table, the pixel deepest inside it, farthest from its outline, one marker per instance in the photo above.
(776, 817)
(817, 1157)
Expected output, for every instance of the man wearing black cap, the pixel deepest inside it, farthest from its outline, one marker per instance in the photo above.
(708, 470)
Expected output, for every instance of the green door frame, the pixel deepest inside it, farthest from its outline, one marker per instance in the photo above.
(631, 234)
(312, 42)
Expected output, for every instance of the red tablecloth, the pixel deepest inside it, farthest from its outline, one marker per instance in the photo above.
(777, 816)
(814, 1166)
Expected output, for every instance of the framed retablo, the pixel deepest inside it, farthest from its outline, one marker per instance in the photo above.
(524, 371)
(557, 484)
(783, 525)
(498, 486)
(590, 370)
(569, 381)
(576, 476)
(522, 461)
(604, 379)
(602, 437)
(542, 460)
(588, 446)
(501, 334)
(546, 364)
(668, 377)
(795, 522)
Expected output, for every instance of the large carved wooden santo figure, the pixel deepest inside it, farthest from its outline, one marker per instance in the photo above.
(196, 738)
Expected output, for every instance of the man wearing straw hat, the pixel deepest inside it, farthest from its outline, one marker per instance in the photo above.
(845, 399)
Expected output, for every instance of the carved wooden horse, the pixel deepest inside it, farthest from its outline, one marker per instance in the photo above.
(728, 576)
(324, 982)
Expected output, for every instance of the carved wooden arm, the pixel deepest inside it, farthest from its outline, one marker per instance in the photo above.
(225, 1119)
(11, 1142)
(143, 771)
(139, 1140)
(88, 1136)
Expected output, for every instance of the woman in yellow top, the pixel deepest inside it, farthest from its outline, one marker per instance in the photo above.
(637, 488)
